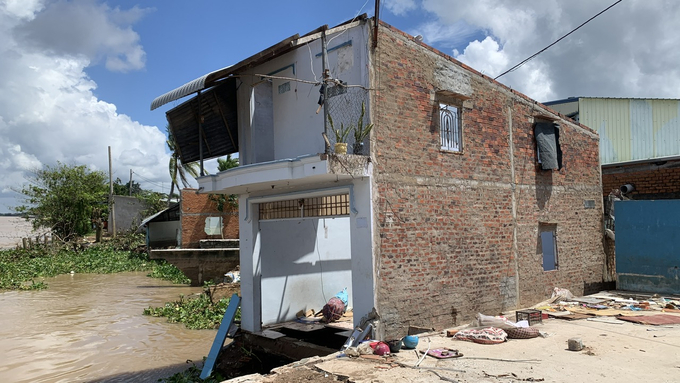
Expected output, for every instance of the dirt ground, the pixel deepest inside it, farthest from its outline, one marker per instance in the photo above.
(615, 351)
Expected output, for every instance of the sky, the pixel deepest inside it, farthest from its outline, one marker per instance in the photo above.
(78, 76)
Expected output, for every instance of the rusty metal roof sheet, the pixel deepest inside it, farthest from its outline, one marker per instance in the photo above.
(217, 108)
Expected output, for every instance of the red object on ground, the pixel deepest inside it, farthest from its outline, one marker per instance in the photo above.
(656, 320)
(382, 349)
(333, 310)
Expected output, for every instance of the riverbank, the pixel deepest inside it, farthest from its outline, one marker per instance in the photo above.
(27, 269)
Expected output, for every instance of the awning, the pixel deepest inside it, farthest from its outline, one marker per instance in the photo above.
(190, 87)
(216, 107)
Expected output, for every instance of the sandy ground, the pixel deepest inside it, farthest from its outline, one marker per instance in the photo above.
(12, 230)
(616, 351)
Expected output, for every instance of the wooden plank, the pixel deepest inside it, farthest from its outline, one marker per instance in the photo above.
(305, 327)
(227, 320)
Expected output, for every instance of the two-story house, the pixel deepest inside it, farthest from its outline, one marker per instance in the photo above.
(448, 209)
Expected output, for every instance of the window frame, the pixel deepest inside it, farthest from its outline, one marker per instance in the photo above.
(445, 106)
(327, 206)
(544, 232)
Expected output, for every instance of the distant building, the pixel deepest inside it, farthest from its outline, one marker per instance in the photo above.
(639, 142)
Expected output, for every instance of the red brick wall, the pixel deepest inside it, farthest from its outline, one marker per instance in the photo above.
(445, 222)
(649, 179)
(195, 208)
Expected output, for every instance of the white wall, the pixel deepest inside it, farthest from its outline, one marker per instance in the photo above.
(280, 268)
(305, 262)
(296, 126)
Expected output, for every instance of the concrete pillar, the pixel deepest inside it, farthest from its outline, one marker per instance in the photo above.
(251, 271)
(363, 265)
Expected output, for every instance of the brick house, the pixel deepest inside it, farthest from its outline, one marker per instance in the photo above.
(196, 211)
(445, 210)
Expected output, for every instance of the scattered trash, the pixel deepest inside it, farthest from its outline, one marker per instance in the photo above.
(489, 335)
(522, 333)
(514, 376)
(443, 353)
(530, 316)
(382, 349)
(561, 295)
(496, 322)
(410, 341)
(395, 345)
(232, 277)
(335, 307)
(658, 319)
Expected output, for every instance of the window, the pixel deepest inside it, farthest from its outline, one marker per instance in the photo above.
(548, 149)
(328, 206)
(548, 247)
(450, 129)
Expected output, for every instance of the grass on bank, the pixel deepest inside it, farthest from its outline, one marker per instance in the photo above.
(197, 312)
(26, 269)
(192, 375)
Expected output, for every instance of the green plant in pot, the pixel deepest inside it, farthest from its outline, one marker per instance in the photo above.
(361, 132)
(340, 136)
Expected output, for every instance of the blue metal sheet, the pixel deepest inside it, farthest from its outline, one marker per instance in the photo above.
(227, 320)
(648, 245)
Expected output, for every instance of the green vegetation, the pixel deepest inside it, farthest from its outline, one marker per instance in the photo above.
(192, 375)
(178, 169)
(25, 269)
(64, 198)
(223, 200)
(197, 313)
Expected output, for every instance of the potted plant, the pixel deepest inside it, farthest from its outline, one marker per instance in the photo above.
(340, 136)
(361, 132)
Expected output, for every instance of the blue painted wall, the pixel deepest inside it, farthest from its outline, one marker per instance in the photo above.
(648, 246)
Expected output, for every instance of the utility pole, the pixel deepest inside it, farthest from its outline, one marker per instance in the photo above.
(130, 184)
(324, 88)
(112, 206)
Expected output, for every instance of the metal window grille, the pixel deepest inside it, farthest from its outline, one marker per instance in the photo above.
(450, 128)
(328, 206)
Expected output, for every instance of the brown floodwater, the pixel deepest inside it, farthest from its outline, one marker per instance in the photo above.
(90, 328)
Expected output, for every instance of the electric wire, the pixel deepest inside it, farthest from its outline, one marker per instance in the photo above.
(160, 185)
(555, 42)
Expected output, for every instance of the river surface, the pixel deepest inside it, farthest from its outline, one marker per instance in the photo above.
(90, 328)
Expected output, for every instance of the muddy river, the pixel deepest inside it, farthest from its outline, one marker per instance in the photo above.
(90, 327)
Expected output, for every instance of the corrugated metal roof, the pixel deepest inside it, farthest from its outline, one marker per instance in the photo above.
(208, 80)
(217, 109)
(188, 88)
(633, 129)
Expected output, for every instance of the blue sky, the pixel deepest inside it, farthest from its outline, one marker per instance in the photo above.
(79, 75)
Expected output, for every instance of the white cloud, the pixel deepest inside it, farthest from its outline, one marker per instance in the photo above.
(400, 7)
(629, 51)
(83, 27)
(445, 35)
(48, 111)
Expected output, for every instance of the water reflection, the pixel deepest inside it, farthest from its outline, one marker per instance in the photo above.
(89, 327)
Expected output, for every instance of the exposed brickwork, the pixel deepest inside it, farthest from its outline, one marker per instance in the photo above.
(195, 208)
(445, 220)
(649, 179)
